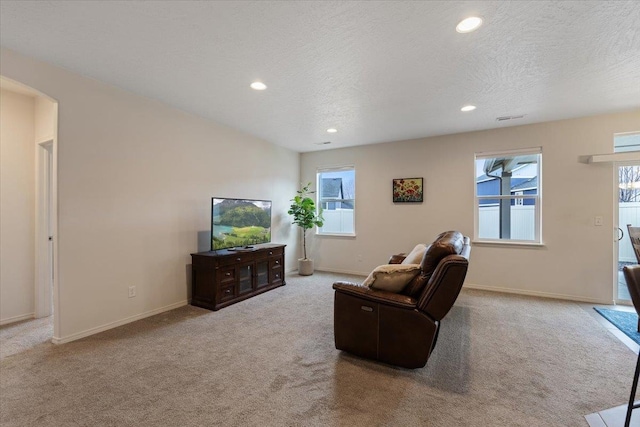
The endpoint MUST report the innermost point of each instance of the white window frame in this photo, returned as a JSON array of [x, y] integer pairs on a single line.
[[536, 197], [519, 200], [319, 171]]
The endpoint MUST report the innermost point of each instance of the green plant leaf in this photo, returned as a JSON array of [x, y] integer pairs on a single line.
[[304, 213]]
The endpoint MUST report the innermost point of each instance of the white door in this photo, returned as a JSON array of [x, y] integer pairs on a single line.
[[44, 234], [626, 210], [627, 206]]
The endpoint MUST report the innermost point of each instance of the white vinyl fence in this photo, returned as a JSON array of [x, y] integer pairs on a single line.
[[522, 224], [523, 220], [337, 221], [628, 213]]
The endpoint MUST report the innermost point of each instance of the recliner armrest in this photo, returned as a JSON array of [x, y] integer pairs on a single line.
[[375, 295]]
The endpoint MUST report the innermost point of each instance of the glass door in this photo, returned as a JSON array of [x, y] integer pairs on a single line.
[[628, 207], [262, 273], [245, 278]]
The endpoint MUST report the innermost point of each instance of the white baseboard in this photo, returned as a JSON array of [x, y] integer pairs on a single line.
[[17, 318], [328, 270], [353, 273], [331, 270], [98, 329], [496, 289], [536, 293]]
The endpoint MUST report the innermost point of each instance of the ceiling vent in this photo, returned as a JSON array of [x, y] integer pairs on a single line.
[[505, 118]]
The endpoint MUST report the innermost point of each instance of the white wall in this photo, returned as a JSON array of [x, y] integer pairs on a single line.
[[44, 116], [17, 206], [577, 258], [135, 178]]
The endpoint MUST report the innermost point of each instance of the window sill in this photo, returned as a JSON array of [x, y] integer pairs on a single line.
[[518, 244], [336, 234]]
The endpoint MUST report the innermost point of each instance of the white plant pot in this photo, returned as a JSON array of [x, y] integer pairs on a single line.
[[305, 267]]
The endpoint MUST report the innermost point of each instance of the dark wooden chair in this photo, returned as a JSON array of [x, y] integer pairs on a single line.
[[634, 235], [632, 277]]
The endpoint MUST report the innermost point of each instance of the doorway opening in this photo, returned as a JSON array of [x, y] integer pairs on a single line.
[[37, 285], [626, 210]]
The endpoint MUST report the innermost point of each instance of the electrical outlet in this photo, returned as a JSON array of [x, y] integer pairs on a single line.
[[132, 291], [598, 221]]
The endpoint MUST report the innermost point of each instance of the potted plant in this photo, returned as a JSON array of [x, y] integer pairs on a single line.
[[305, 216]]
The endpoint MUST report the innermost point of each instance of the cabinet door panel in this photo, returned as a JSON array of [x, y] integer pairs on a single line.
[[262, 273], [245, 278]]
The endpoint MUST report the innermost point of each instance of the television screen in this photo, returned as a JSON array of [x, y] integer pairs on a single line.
[[239, 222]]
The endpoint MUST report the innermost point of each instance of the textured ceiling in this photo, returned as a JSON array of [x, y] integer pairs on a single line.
[[377, 71]]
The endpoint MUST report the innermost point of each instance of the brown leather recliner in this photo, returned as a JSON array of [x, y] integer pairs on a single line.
[[401, 328]]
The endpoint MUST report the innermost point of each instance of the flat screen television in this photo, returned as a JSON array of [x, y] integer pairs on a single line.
[[239, 223]]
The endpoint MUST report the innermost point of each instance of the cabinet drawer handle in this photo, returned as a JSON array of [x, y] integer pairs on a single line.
[[270, 252], [277, 262], [227, 291], [227, 274], [366, 308], [238, 259], [277, 275]]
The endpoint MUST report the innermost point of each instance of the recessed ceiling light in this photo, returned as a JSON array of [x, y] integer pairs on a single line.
[[469, 24], [468, 108], [258, 86], [332, 130]]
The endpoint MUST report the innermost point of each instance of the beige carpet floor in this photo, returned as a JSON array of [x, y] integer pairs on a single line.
[[501, 360], [21, 336]]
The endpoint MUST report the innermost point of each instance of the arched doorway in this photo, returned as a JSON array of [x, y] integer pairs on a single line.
[[31, 287]]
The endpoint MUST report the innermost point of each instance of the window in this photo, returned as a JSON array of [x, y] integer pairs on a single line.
[[625, 142], [337, 197], [508, 194]]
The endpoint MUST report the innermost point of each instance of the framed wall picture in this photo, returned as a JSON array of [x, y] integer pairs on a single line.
[[407, 190]]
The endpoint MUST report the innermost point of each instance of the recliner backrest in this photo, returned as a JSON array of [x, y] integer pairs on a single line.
[[445, 284], [446, 243]]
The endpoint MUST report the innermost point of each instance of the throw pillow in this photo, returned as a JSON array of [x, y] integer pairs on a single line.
[[391, 277], [415, 256]]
